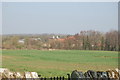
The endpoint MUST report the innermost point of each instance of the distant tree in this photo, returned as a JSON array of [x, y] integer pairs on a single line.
[[111, 40], [102, 43]]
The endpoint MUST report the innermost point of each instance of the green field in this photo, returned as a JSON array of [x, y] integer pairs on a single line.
[[58, 62]]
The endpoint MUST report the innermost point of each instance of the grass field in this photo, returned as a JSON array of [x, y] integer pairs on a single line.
[[58, 62]]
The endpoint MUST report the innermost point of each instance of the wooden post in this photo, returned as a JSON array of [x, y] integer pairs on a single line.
[[60, 78], [68, 76], [44, 78], [63, 78], [41, 78], [57, 77], [54, 78], [51, 78]]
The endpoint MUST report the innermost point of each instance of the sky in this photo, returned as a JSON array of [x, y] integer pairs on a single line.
[[58, 17]]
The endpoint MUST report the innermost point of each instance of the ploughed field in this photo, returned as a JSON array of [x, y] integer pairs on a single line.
[[58, 62]]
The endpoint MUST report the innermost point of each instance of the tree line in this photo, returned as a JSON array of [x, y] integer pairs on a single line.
[[85, 40]]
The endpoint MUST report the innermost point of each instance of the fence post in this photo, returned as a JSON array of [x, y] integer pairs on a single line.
[[44, 78], [54, 78], [57, 77], [50, 78], [60, 78], [63, 78], [41, 78], [68, 76]]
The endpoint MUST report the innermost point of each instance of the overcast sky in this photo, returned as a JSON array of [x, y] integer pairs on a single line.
[[58, 17]]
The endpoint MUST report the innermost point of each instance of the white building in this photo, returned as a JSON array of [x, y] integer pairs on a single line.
[[21, 41]]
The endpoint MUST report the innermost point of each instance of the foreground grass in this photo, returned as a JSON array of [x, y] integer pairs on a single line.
[[58, 62]]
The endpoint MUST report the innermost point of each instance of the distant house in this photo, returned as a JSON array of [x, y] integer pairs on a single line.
[[55, 37], [61, 39], [22, 41], [70, 37], [36, 39]]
